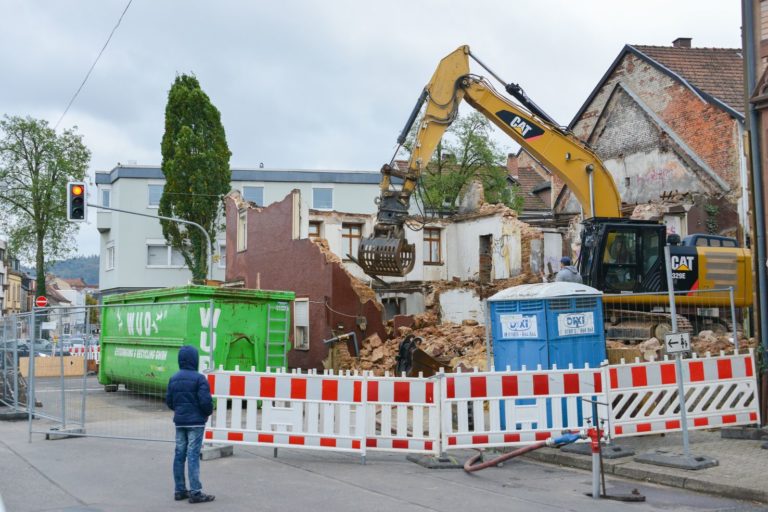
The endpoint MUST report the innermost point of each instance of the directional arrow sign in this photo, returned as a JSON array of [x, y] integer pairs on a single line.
[[677, 342]]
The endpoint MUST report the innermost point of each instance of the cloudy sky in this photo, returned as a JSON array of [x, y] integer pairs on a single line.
[[311, 84]]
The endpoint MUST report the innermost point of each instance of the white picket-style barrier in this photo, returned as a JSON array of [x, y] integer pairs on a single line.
[[361, 412], [523, 406], [719, 391]]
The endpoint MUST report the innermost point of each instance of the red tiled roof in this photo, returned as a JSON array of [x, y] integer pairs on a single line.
[[529, 179], [718, 72]]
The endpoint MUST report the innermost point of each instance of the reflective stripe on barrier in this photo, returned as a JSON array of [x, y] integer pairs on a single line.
[[522, 407], [720, 391], [403, 414], [297, 410]]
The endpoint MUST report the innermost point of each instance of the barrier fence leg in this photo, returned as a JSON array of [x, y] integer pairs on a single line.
[[595, 442]]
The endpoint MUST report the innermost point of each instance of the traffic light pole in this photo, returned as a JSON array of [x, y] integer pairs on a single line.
[[172, 219]]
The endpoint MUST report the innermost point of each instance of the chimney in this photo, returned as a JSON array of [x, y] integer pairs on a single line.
[[512, 165], [682, 42]]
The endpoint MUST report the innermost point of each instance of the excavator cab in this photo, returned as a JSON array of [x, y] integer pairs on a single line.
[[623, 256]]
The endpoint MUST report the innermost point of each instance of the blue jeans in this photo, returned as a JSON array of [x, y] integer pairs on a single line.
[[189, 440]]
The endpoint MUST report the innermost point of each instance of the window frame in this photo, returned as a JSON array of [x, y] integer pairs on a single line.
[[221, 246], [319, 225], [314, 201], [109, 260], [241, 236], [304, 301], [169, 250], [149, 195], [108, 191], [347, 239], [428, 242]]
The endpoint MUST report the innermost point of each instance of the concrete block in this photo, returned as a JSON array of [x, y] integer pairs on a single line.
[[55, 434], [746, 433], [13, 415], [610, 451], [676, 460], [433, 462], [212, 452]]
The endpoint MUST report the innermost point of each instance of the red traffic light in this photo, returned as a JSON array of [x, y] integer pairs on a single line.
[[77, 190]]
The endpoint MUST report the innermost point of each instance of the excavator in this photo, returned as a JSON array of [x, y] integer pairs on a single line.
[[624, 258]]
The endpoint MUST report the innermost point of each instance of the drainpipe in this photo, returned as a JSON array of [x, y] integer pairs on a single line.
[[753, 123]]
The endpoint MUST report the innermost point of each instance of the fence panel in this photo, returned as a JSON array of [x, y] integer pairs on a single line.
[[522, 406], [290, 410], [719, 391], [403, 414]]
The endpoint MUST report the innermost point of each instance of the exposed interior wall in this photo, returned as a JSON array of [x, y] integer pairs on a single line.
[[273, 259], [458, 305]]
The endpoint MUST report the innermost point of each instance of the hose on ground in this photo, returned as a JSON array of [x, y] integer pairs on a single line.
[[470, 466]]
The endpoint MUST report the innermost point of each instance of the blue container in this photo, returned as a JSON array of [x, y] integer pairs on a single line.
[[548, 325]]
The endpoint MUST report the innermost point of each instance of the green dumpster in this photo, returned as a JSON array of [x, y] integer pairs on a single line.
[[141, 332]]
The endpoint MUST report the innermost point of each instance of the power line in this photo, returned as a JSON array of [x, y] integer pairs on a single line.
[[87, 75]]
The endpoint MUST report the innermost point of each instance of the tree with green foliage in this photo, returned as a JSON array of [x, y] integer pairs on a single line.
[[35, 165], [466, 152], [196, 168]]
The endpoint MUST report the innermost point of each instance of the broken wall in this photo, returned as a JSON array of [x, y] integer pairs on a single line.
[[277, 258]]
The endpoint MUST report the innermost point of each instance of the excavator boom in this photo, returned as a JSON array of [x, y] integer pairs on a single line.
[[387, 252]]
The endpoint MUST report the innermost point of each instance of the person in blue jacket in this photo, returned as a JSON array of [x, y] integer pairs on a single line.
[[189, 397]]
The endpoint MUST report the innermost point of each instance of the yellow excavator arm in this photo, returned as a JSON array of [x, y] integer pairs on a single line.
[[387, 251]]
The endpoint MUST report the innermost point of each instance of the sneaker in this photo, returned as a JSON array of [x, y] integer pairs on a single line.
[[201, 497], [180, 495]]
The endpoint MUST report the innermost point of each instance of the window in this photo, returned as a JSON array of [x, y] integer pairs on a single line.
[[222, 255], [155, 193], [314, 229], [432, 254], [109, 264], [242, 230], [350, 239], [620, 266], [322, 198], [254, 194], [301, 324], [105, 197], [160, 254]]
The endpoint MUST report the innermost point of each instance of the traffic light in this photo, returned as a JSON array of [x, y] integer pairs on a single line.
[[76, 201]]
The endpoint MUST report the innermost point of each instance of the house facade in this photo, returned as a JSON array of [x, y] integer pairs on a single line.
[[668, 123], [133, 252]]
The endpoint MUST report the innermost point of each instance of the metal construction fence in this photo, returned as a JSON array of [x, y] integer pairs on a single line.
[[710, 317]]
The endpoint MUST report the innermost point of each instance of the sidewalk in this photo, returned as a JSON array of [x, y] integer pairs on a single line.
[[742, 472]]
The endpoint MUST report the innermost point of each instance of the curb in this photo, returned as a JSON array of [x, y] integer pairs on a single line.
[[690, 483]]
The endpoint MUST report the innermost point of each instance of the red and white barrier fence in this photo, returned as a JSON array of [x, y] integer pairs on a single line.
[[359, 413], [91, 352], [720, 391], [523, 407]]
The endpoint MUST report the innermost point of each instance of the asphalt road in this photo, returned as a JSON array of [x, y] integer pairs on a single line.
[[96, 474]]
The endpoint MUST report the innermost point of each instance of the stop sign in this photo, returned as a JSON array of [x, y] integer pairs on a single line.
[[41, 301]]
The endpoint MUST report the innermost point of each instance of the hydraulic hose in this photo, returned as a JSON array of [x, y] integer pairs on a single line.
[[470, 466]]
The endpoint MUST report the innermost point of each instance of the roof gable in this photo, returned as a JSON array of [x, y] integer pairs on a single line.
[[714, 74]]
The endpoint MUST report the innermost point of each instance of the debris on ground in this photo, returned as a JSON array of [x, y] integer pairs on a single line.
[[653, 349], [453, 345]]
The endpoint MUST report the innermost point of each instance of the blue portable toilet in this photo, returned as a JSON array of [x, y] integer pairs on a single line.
[[547, 324]]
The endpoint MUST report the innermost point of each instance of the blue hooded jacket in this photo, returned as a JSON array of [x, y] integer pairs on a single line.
[[189, 395]]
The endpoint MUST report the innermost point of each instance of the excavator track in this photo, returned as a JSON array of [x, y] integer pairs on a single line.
[[632, 325]]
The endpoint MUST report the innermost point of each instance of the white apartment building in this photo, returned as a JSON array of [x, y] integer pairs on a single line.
[[133, 252]]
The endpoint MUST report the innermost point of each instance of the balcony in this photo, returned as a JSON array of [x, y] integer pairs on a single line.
[[103, 221]]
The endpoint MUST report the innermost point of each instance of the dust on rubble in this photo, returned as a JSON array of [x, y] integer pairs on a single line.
[[450, 344]]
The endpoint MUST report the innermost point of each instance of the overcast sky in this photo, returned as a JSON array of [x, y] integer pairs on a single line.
[[311, 84]]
